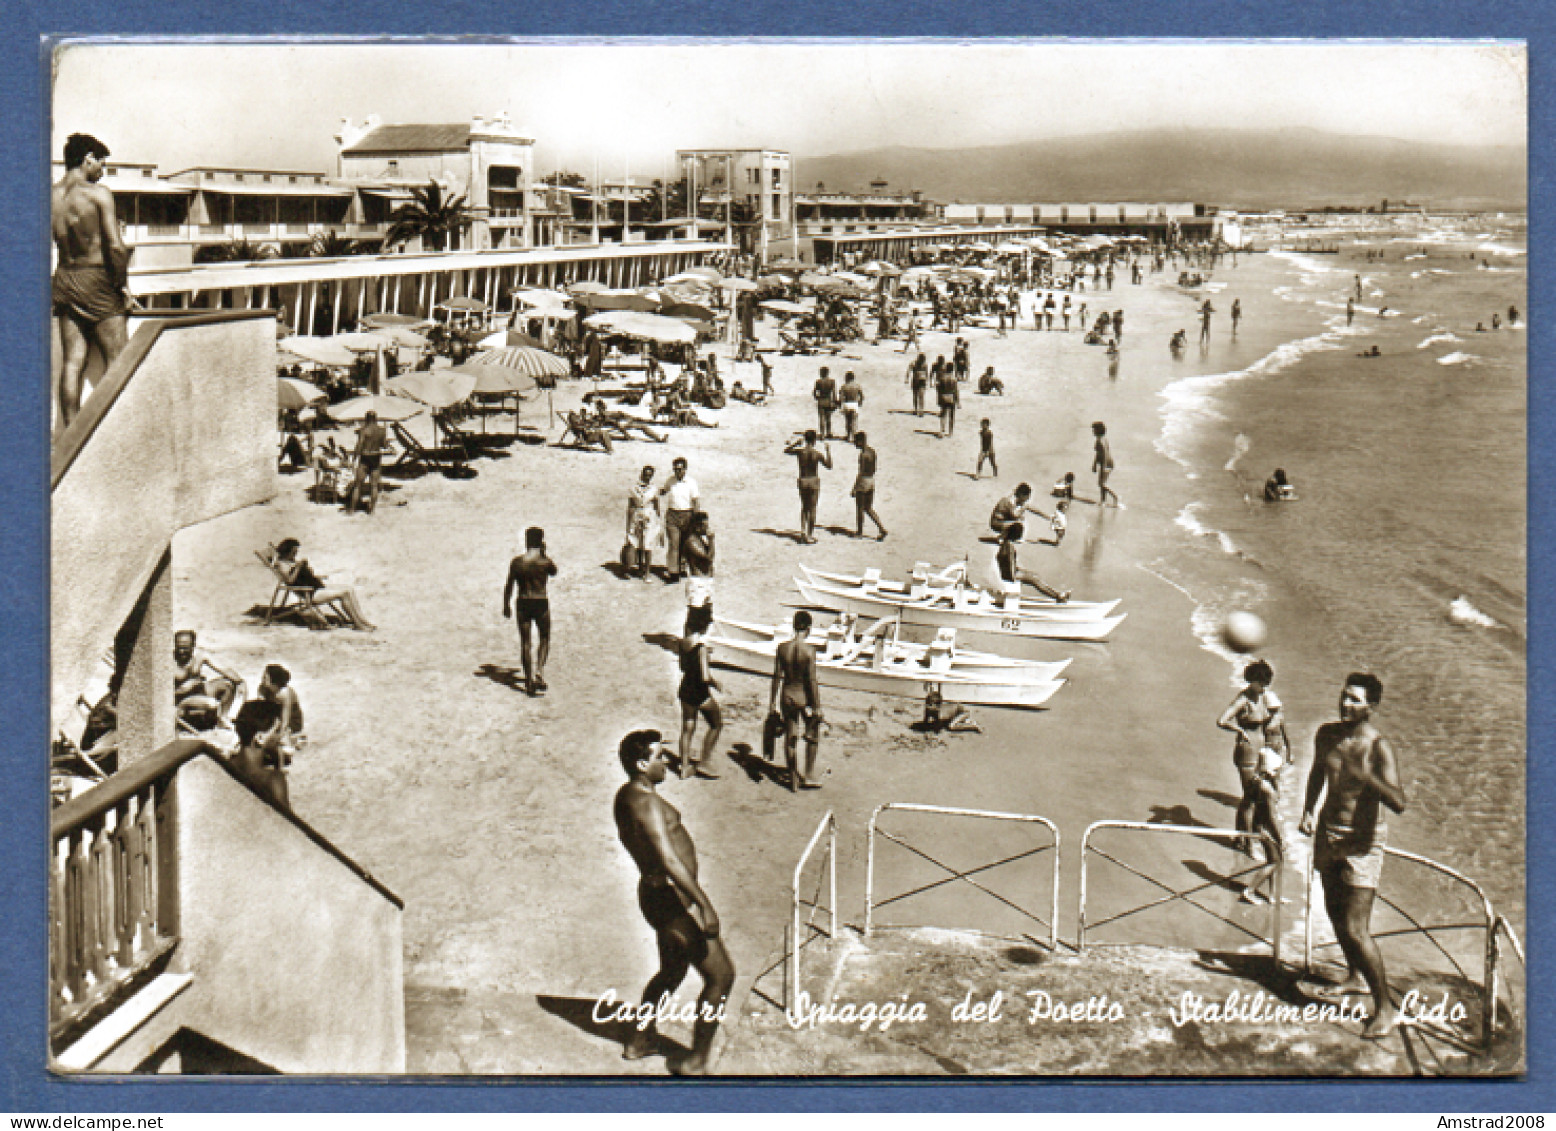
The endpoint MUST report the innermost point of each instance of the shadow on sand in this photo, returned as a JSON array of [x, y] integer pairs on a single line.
[[579, 1013], [511, 678], [756, 767], [792, 535], [666, 640]]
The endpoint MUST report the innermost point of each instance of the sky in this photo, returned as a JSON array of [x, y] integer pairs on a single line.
[[630, 105]]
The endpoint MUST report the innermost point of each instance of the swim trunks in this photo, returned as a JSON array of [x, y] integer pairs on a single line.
[[1355, 858], [663, 907], [694, 690], [536, 610], [794, 712], [86, 293]]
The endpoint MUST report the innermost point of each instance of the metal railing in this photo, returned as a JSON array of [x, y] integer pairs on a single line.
[[798, 941], [1490, 922], [1173, 894], [870, 902]]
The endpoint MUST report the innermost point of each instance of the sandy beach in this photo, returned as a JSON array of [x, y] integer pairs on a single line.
[[489, 811]]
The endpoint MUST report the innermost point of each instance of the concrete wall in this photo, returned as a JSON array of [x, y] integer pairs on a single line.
[[296, 959], [191, 435]]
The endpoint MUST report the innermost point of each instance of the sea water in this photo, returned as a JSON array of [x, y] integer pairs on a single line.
[[1405, 554]]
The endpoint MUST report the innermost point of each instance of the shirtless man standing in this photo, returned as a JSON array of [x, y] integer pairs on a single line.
[[673, 902], [796, 691], [92, 272], [864, 490], [1102, 463], [811, 460], [529, 573], [1354, 770]]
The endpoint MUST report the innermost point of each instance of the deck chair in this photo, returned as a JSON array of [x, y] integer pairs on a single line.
[[450, 459], [288, 599], [585, 432]]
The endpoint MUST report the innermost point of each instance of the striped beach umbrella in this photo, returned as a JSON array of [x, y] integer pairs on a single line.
[[536, 364]]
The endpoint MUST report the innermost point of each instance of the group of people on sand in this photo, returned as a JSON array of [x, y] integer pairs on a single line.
[[208, 697], [811, 460]]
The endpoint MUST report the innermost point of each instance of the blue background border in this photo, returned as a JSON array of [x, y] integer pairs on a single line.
[[24, 139]]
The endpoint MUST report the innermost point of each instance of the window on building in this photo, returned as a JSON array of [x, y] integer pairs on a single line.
[[267, 178], [755, 175], [1093, 211], [292, 180], [237, 176], [777, 177], [777, 205]]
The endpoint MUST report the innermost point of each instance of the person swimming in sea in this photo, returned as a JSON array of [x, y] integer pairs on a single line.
[[1279, 489]]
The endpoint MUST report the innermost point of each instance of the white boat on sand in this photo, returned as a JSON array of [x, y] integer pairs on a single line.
[[877, 661], [952, 603]]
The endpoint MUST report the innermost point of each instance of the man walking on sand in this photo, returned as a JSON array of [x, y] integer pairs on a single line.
[[368, 459], [1354, 770], [811, 460], [528, 574], [92, 270], [685, 924], [825, 393], [1102, 463], [864, 490], [796, 693], [949, 394]]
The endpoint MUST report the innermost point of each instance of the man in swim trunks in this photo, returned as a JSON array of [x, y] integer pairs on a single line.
[[1012, 507], [1354, 770], [852, 397], [685, 924], [949, 395], [372, 441], [825, 393], [202, 702], [796, 690], [864, 489], [811, 461], [1102, 463], [92, 269], [528, 574]]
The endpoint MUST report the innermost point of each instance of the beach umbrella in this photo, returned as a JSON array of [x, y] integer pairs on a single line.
[[691, 278], [503, 338], [385, 319], [712, 274], [784, 306], [387, 408], [587, 287], [850, 277], [687, 310], [402, 337], [772, 281], [786, 265], [495, 380], [737, 284], [534, 363], [815, 279], [647, 327], [1010, 247], [464, 302], [880, 267], [360, 341], [539, 296], [435, 389], [292, 393], [320, 351], [620, 300]]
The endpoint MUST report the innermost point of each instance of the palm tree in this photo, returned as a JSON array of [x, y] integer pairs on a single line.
[[237, 250], [328, 244], [435, 217]]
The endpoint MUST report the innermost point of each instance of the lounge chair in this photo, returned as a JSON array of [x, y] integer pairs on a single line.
[[585, 432], [288, 599], [451, 459]]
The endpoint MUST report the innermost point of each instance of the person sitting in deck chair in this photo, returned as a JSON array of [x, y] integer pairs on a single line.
[[300, 575], [585, 432], [203, 690]]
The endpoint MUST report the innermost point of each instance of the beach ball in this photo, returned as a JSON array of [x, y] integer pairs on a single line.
[[1244, 632]]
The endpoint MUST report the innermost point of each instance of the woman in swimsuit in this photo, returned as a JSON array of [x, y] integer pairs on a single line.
[[696, 696], [1255, 718], [300, 575]]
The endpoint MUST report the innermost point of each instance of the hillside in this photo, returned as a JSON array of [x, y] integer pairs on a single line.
[[1233, 168]]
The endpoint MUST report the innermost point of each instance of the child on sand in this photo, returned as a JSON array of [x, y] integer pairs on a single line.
[[986, 449]]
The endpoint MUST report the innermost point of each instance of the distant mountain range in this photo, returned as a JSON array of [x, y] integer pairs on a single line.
[[1248, 169]]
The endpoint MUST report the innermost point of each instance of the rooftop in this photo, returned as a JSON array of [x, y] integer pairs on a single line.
[[421, 138]]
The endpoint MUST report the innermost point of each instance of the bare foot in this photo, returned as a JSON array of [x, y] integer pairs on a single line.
[[693, 1065], [1383, 1024], [640, 1044]]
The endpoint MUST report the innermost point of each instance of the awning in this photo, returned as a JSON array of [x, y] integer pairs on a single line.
[[146, 185], [388, 193], [227, 188]]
